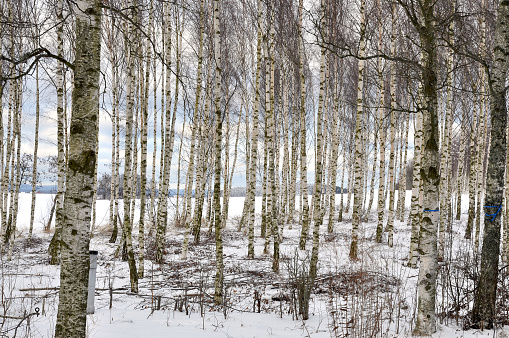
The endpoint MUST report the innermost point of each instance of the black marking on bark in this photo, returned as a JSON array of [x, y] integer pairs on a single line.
[[85, 163], [76, 128]]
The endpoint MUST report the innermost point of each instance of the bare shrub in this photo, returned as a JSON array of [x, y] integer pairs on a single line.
[[299, 281]]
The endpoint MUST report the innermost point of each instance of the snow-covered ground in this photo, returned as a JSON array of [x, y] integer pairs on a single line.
[[372, 297]]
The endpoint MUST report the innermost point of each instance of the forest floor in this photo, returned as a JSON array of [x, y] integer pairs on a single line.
[[372, 297]]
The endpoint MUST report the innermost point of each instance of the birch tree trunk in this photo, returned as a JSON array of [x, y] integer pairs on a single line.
[[114, 163], [75, 261], [195, 126], [303, 157], [426, 283], [16, 181], [357, 198], [445, 172], [473, 172], [317, 207], [415, 208], [333, 165], [127, 181], [36, 147], [381, 141], [54, 248], [144, 137], [392, 154], [162, 207], [254, 138], [218, 282], [480, 159], [484, 312], [402, 171], [461, 164]]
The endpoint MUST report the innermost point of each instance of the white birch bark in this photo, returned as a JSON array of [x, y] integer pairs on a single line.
[[392, 154], [317, 207], [426, 283], [71, 317], [303, 156], [357, 204], [219, 277], [162, 207], [254, 138], [54, 248], [36, 147]]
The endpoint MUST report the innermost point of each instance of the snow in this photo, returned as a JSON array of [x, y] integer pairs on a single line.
[[348, 300]]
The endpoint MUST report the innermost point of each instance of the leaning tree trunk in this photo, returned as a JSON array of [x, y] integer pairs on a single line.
[[484, 311], [75, 261]]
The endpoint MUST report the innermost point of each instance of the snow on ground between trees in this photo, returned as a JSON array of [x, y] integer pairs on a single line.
[[374, 296]]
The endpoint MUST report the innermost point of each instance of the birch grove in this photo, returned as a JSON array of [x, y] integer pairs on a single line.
[[316, 116]]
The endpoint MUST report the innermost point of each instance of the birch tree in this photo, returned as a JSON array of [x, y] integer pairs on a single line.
[[483, 313], [357, 204], [254, 138], [303, 157], [219, 277], [54, 248], [426, 283], [75, 261]]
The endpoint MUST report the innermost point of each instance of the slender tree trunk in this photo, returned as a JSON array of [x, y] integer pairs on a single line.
[[169, 134], [333, 165], [36, 147], [480, 160], [392, 154], [461, 164], [218, 284], [254, 138], [381, 141], [317, 208], [357, 198], [128, 177], [402, 175], [154, 151], [473, 172], [195, 126], [13, 214], [445, 172], [143, 164], [303, 156], [54, 248]]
